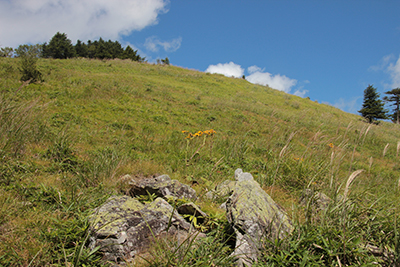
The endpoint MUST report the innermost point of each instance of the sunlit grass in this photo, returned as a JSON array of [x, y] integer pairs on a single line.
[[91, 122]]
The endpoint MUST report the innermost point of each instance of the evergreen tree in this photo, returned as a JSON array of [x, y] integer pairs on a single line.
[[81, 49], [395, 99], [59, 47], [91, 49], [373, 107], [115, 49], [131, 54]]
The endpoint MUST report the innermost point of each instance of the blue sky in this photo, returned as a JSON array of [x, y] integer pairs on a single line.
[[326, 50]]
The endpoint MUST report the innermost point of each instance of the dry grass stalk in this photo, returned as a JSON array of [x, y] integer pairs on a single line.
[[347, 129], [287, 144], [371, 160], [366, 132], [398, 185], [361, 132], [332, 158], [398, 148], [350, 180], [385, 149], [352, 157]]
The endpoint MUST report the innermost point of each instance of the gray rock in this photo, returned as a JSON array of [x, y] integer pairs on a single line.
[[238, 172], [245, 176], [123, 226], [161, 186], [254, 216], [221, 191]]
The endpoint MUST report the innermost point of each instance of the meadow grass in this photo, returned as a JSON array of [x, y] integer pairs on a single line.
[[67, 141]]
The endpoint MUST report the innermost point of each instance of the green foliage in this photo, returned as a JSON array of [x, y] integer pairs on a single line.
[[209, 251], [25, 50], [343, 235], [131, 54], [373, 107], [66, 145], [6, 52], [394, 98], [62, 154], [147, 198], [29, 70], [59, 47], [165, 61], [29, 55]]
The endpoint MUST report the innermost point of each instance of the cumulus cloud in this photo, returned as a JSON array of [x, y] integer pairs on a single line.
[[383, 63], [36, 21], [253, 69], [394, 71], [279, 82], [153, 44], [300, 92], [228, 69], [348, 105]]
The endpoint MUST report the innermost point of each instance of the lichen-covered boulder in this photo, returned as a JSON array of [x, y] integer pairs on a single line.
[[161, 186], [254, 215], [123, 226], [222, 191]]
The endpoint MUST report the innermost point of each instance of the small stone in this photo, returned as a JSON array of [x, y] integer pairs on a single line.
[[238, 172], [122, 237]]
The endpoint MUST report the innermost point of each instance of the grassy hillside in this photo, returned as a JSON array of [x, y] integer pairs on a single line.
[[66, 142]]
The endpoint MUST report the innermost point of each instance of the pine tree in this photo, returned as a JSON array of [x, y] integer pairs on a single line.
[[395, 99], [81, 49], [59, 47], [373, 107]]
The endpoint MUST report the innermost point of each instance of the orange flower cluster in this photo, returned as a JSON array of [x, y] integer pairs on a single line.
[[331, 145], [199, 133]]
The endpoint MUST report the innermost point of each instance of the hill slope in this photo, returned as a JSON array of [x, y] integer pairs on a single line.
[[66, 142]]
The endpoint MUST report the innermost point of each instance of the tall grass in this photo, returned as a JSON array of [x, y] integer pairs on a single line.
[[65, 143]]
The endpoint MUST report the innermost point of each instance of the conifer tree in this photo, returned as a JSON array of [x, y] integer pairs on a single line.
[[59, 47], [81, 49], [395, 99], [373, 107]]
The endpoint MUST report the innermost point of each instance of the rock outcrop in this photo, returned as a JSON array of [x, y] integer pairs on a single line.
[[123, 226], [161, 186], [254, 216]]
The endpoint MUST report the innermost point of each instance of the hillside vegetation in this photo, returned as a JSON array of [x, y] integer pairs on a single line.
[[66, 142]]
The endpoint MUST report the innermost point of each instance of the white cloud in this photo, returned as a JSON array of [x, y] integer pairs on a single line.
[[279, 82], [383, 63], [394, 71], [348, 105], [228, 69], [254, 68], [300, 92], [153, 44], [36, 21]]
